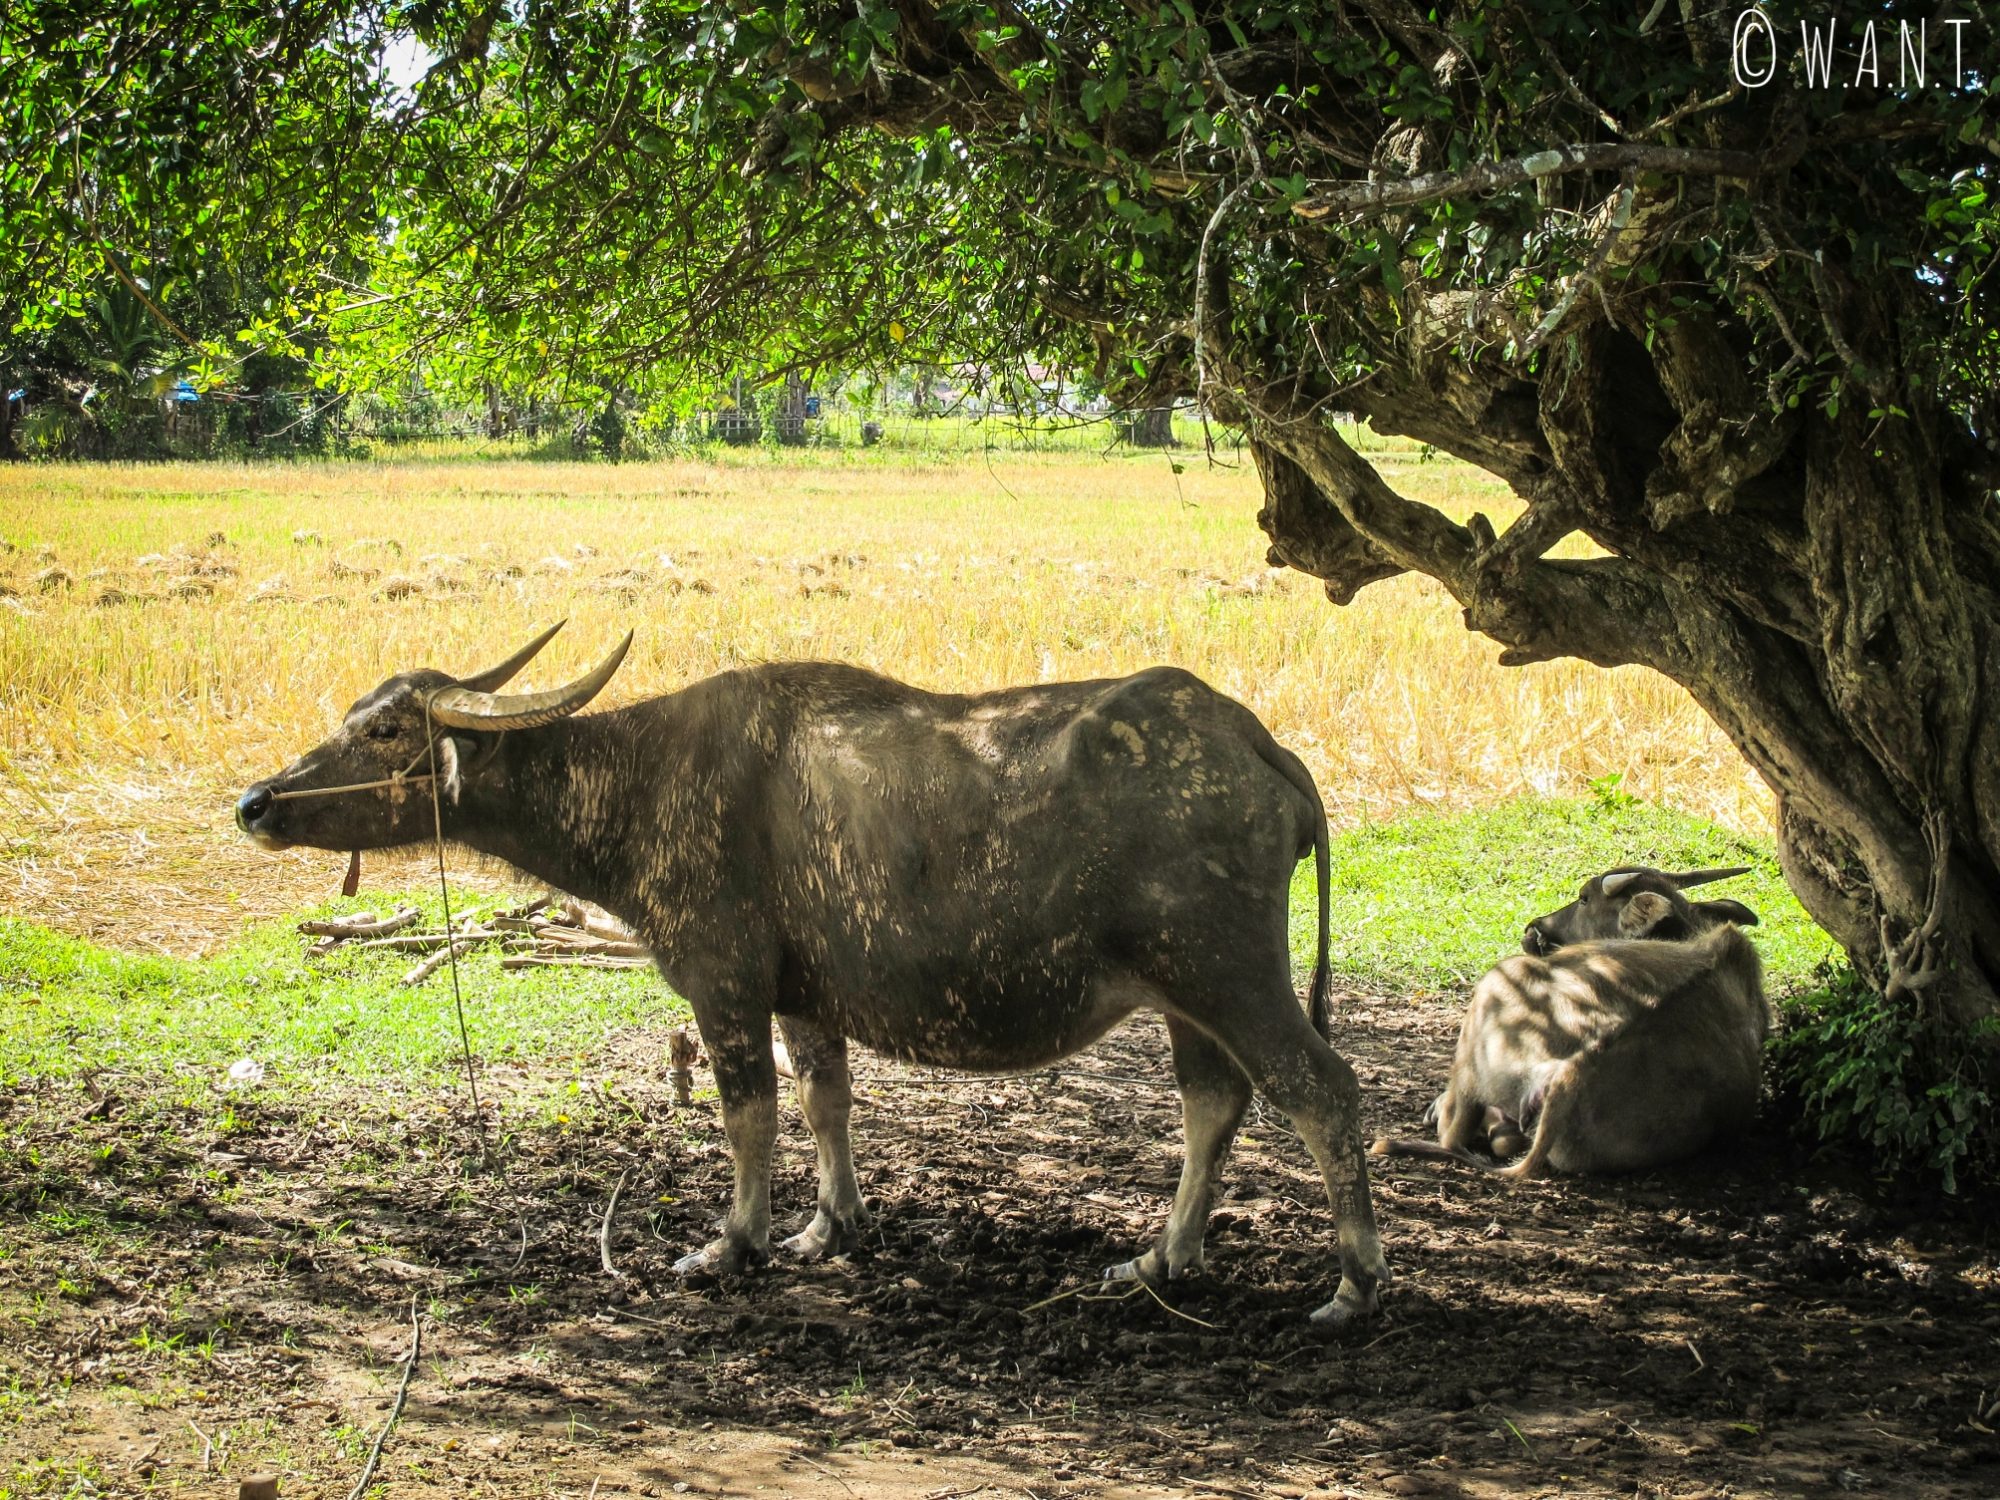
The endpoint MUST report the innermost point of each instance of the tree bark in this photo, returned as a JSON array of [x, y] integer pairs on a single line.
[[1813, 581], [791, 413], [1152, 427]]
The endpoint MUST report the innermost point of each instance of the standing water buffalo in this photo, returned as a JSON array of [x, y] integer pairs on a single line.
[[1629, 1034], [988, 881]]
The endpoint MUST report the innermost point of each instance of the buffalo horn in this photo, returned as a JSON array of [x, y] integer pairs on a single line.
[[1617, 880], [465, 708], [495, 678], [1703, 877]]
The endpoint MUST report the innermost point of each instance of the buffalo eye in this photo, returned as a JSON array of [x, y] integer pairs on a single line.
[[383, 729]]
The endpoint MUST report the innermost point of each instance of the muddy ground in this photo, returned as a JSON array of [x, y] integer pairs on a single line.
[[188, 1302]]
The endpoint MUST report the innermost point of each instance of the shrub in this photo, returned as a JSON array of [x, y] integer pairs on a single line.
[[1902, 1087]]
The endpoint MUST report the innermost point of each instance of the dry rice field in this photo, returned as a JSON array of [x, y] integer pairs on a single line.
[[170, 632]]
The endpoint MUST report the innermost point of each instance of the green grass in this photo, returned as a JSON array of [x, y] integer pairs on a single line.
[[72, 1007], [57, 1479], [1423, 904], [1430, 902]]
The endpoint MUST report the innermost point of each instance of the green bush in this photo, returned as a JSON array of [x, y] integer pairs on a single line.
[[1913, 1092]]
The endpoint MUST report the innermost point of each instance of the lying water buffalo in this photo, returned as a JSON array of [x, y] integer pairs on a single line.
[[1630, 1033], [989, 881]]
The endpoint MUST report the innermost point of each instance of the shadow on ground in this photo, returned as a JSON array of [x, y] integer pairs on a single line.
[[232, 1281]]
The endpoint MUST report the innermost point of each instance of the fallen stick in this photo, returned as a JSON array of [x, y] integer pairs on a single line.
[[337, 927], [560, 932], [623, 950], [396, 1410], [361, 925], [603, 927], [568, 961], [604, 1229], [423, 942], [436, 961], [584, 943]]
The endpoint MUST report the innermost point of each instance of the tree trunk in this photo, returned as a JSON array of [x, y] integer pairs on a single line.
[[10, 447], [1814, 581], [791, 413], [1152, 427]]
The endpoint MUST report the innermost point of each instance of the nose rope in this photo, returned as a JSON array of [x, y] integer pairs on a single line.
[[450, 943], [404, 778], [400, 779]]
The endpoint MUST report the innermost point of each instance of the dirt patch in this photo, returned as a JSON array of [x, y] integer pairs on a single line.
[[179, 1282]]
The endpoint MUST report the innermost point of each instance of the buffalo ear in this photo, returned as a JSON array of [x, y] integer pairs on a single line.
[[1728, 911], [458, 756], [1643, 913]]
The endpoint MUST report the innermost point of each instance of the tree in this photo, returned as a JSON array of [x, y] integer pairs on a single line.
[[1714, 292], [1150, 427]]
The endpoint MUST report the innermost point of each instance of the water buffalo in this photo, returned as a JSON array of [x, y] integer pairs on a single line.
[[987, 881], [1629, 1034]]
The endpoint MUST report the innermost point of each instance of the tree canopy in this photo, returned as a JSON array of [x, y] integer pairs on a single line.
[[1713, 287], [593, 185]]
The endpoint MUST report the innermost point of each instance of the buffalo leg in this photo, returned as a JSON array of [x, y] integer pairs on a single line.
[[1302, 1076], [740, 1051], [1461, 1120], [1556, 1129], [1214, 1094], [819, 1059]]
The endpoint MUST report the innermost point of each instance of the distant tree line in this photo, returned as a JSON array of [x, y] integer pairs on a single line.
[[129, 376]]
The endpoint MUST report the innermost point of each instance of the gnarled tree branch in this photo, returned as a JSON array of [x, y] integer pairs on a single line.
[[1491, 177]]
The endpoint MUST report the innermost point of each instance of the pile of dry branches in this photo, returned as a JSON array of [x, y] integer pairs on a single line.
[[536, 935]]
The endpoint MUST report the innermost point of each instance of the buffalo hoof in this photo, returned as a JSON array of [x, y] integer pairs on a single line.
[[1345, 1311], [1153, 1269], [1356, 1301], [723, 1257], [1133, 1270], [826, 1236]]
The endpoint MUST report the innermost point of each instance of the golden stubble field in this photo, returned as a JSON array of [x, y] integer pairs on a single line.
[[168, 633]]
